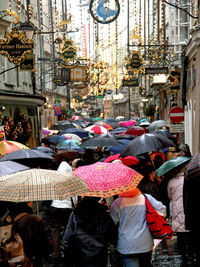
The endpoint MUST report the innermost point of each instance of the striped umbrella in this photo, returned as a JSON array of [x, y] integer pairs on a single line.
[[40, 184], [10, 146], [193, 168]]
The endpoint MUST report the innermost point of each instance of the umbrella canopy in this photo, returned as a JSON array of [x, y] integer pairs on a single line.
[[72, 136], [118, 118], [98, 119], [127, 123], [135, 130], [80, 132], [118, 130], [193, 168], [69, 154], [45, 131], [101, 141], [10, 146], [104, 124], [74, 118], [167, 134], [40, 184], [28, 157], [171, 165], [157, 125], [44, 149], [8, 167], [69, 144], [96, 129], [144, 124], [146, 143], [108, 179], [55, 139], [62, 125]]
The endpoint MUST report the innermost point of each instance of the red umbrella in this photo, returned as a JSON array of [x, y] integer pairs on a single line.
[[135, 130], [128, 161]]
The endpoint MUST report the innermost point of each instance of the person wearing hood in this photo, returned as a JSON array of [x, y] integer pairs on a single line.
[[135, 242], [89, 230]]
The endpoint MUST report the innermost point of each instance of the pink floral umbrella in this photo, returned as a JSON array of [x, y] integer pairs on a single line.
[[108, 179]]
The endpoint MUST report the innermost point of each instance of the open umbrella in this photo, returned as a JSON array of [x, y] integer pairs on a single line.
[[80, 132], [135, 130], [44, 149], [28, 157], [40, 184], [118, 130], [146, 143], [69, 154], [8, 167], [104, 124], [96, 129], [55, 139], [62, 125], [10, 146], [74, 118], [193, 168], [72, 136], [127, 123], [108, 179], [98, 119], [171, 165], [157, 124], [101, 141], [69, 144]]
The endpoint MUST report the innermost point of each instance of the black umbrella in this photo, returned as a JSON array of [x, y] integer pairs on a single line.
[[101, 141], [62, 125], [28, 157], [8, 167], [55, 139], [146, 143], [80, 132], [125, 136], [118, 130], [167, 134], [44, 149]]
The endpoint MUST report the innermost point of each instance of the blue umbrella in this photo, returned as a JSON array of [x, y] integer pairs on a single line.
[[118, 130], [55, 139], [116, 149], [80, 132]]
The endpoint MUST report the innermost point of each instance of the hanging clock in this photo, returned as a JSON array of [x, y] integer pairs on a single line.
[[104, 11]]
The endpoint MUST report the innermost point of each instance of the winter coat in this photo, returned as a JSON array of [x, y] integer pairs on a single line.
[[87, 235], [175, 194]]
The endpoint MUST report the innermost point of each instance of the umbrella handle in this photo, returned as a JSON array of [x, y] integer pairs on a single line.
[[157, 177]]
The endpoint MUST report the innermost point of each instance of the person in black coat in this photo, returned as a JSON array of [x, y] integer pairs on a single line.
[[89, 230]]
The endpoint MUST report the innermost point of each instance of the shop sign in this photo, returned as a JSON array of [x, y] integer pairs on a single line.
[[16, 46], [131, 82], [135, 61], [78, 74], [65, 75], [163, 70], [177, 128], [57, 109], [28, 64]]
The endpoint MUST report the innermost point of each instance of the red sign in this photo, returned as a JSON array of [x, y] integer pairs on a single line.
[[176, 114]]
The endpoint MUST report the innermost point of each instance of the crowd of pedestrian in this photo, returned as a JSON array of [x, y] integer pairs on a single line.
[[90, 231]]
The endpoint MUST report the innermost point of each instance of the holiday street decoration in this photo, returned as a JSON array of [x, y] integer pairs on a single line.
[[104, 11], [16, 46], [68, 50]]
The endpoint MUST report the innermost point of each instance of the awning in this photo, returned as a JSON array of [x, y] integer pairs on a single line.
[[21, 98]]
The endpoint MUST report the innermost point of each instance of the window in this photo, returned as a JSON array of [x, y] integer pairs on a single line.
[[183, 33]]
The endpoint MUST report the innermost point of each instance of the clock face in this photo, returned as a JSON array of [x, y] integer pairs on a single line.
[[104, 11]]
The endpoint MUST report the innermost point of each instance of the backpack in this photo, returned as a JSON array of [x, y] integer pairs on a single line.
[[158, 227]]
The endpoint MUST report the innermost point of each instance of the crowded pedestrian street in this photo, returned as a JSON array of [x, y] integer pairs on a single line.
[[99, 133]]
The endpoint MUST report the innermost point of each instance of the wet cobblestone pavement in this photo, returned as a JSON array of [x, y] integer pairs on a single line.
[[166, 254]]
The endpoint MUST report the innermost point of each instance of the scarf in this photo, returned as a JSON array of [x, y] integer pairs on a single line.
[[131, 193]]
